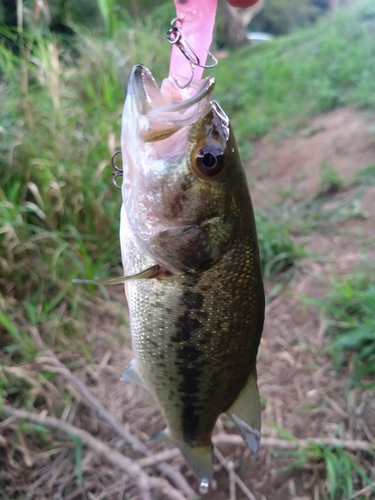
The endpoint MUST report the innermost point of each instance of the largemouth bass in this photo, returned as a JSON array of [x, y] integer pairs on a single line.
[[187, 219], [191, 261]]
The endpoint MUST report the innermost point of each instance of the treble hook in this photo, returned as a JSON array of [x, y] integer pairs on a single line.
[[118, 172], [174, 36]]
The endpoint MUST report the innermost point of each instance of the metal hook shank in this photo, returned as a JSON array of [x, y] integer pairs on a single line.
[[174, 36]]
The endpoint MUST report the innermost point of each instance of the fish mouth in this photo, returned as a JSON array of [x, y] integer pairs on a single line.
[[163, 111], [150, 97]]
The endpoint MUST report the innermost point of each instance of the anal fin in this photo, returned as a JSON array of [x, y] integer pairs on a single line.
[[131, 374], [245, 413]]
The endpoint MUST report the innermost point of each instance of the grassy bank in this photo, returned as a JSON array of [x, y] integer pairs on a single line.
[[60, 104], [285, 81]]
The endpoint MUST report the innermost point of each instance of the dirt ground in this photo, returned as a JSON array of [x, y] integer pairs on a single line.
[[343, 138], [301, 391]]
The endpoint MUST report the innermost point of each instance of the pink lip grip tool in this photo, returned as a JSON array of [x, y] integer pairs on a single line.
[[194, 25]]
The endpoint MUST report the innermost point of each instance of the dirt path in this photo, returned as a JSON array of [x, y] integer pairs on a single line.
[[343, 139]]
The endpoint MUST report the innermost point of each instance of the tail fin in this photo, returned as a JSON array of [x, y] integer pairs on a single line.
[[201, 461], [199, 458]]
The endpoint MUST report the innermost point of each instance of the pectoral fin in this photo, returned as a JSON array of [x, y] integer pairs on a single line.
[[131, 374], [152, 272], [210, 240], [245, 413]]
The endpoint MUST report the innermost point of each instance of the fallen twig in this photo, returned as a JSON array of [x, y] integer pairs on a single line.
[[233, 476], [104, 414], [361, 492], [296, 444], [171, 473], [232, 480], [272, 443], [144, 482], [162, 456]]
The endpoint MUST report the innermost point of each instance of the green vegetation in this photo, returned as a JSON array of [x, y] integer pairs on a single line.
[[349, 311], [331, 182], [61, 102], [302, 217], [60, 123], [345, 470], [366, 175], [345, 473], [289, 79], [295, 217], [277, 250], [99, 14]]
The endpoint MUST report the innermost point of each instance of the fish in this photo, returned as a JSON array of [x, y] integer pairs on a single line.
[[192, 268]]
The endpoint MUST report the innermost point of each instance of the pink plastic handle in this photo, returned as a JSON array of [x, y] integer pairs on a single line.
[[197, 19]]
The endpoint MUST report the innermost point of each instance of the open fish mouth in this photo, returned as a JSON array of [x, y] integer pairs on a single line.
[[162, 111]]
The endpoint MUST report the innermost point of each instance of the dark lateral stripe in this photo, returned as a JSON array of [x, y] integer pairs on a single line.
[[187, 323], [188, 390], [189, 360], [190, 396], [194, 300]]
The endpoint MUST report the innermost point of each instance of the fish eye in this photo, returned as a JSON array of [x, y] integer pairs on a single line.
[[210, 160]]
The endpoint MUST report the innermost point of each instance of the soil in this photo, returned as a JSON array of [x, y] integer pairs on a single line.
[[344, 139], [301, 390]]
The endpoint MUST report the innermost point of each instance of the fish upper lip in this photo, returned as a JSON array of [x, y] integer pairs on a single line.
[[148, 95]]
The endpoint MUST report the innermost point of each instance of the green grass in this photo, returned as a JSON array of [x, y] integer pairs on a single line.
[[349, 311], [278, 252], [60, 122], [365, 175], [319, 213], [345, 474], [331, 181], [294, 77], [278, 226]]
